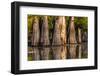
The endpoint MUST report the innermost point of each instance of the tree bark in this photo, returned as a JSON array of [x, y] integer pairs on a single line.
[[45, 32], [79, 35], [62, 25], [72, 36], [35, 31], [59, 36]]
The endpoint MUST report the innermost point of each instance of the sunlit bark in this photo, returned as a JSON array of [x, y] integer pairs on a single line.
[[59, 36], [62, 25]]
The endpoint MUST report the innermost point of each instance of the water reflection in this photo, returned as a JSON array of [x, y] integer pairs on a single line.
[[70, 51]]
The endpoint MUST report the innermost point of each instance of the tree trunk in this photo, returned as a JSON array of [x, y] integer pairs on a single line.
[[62, 25], [72, 35], [44, 32], [59, 36], [79, 35], [35, 31]]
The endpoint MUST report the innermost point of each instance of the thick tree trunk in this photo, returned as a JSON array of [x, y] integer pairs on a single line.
[[62, 25], [72, 36], [44, 32], [35, 31], [59, 36]]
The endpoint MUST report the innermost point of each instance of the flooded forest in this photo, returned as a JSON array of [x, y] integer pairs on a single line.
[[57, 37]]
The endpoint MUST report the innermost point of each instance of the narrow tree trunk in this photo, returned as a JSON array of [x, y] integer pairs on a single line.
[[79, 35], [45, 32], [35, 31], [72, 35]]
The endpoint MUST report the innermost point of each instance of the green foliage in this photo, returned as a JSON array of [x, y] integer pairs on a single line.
[[81, 22], [30, 18], [50, 21]]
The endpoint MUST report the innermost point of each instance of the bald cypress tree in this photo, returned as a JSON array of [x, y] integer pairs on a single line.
[[72, 35], [35, 31], [59, 35], [44, 32]]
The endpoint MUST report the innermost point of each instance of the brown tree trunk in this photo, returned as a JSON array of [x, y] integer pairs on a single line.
[[62, 25], [59, 36], [72, 36], [35, 31], [45, 32]]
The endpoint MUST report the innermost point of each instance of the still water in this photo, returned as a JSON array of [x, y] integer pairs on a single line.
[[69, 51]]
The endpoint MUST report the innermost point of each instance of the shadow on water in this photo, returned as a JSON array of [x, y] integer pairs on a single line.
[[69, 51]]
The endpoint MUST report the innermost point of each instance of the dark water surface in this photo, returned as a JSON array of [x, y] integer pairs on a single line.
[[69, 51]]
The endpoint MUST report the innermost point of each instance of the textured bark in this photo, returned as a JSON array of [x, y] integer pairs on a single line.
[[72, 35], [62, 25], [35, 31], [59, 36], [45, 32]]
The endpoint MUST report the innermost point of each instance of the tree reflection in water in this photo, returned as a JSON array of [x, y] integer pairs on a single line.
[[70, 51]]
